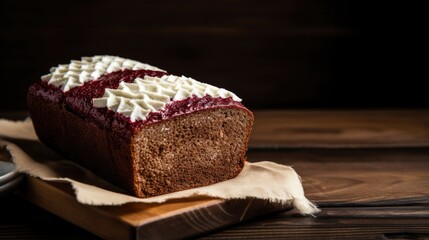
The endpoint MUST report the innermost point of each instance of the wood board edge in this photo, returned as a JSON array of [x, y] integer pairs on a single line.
[[202, 217]]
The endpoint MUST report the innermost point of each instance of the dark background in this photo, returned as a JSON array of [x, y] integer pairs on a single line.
[[273, 54]]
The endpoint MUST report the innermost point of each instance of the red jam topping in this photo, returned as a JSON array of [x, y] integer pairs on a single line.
[[79, 101]]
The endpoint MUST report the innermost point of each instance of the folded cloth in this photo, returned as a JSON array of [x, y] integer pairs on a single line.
[[275, 182]]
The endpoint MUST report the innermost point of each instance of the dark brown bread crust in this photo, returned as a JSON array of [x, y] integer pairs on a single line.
[[183, 152], [80, 140]]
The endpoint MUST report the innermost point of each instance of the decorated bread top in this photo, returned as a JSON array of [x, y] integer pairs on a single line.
[[78, 72], [137, 91]]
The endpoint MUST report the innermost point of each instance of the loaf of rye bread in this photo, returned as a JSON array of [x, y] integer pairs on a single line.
[[140, 128]]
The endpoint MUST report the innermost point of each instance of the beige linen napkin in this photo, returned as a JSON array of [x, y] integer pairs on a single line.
[[263, 180]]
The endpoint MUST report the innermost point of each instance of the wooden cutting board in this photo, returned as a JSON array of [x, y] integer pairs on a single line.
[[169, 220]]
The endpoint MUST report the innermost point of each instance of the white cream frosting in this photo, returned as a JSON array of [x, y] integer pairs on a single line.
[[150, 94], [77, 72]]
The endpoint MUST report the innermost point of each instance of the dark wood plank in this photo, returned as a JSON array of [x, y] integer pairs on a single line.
[[337, 223], [340, 129], [363, 194], [358, 177]]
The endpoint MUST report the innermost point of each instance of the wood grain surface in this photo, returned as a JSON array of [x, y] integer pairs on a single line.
[[183, 217], [341, 129], [358, 177], [363, 193], [404, 222], [366, 191]]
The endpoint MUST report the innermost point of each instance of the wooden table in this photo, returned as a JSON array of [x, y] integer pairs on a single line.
[[368, 170]]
